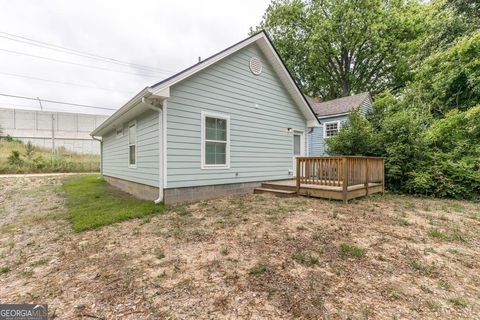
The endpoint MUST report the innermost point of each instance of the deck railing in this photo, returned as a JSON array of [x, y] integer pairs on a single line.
[[340, 171]]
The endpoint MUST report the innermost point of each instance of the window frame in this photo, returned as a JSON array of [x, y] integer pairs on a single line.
[[339, 125], [130, 124], [208, 114]]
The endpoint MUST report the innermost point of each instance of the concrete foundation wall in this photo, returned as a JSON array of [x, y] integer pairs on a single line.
[[191, 194], [179, 195], [140, 191]]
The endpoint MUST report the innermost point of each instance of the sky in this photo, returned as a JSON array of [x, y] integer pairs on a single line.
[[146, 40]]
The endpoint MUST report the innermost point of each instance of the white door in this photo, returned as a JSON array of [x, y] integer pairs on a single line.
[[298, 148]]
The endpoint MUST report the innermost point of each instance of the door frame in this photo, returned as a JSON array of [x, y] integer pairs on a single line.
[[300, 133]]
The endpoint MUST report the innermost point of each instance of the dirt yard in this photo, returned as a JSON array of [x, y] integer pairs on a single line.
[[252, 257]]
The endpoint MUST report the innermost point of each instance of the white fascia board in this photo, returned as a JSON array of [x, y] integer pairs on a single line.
[[145, 93]]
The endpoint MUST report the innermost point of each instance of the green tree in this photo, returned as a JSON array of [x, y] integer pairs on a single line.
[[450, 78], [354, 139], [340, 47]]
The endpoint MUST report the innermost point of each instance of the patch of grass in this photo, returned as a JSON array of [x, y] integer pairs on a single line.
[[224, 250], [404, 222], [92, 203], [301, 228], [289, 237], [432, 305], [423, 268], [457, 207], [437, 233], [351, 250], [302, 258], [458, 302], [444, 284], [160, 254], [258, 269], [5, 269], [426, 289], [457, 234], [40, 262]]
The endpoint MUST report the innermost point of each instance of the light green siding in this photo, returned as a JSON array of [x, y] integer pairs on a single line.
[[115, 152], [260, 111]]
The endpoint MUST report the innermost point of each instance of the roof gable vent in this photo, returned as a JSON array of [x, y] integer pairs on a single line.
[[255, 66]]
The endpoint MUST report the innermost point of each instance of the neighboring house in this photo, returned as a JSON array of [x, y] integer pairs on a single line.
[[332, 114], [220, 127], [52, 129]]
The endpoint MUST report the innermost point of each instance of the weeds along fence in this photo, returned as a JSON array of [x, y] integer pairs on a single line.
[[17, 157]]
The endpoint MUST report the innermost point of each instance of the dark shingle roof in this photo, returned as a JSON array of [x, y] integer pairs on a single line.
[[338, 106]]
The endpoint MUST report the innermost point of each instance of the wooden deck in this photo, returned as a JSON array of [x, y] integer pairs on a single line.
[[339, 178]]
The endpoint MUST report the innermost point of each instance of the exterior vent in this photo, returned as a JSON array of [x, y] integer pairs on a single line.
[[255, 66]]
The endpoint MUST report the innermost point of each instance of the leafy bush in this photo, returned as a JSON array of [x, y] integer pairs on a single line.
[[355, 138], [14, 159], [430, 134]]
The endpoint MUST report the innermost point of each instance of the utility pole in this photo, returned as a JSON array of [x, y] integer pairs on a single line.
[[53, 126], [53, 133]]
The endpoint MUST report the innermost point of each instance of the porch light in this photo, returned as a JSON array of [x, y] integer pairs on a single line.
[[289, 130]]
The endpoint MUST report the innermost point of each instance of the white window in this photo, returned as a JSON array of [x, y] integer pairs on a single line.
[[132, 144], [330, 129], [215, 141]]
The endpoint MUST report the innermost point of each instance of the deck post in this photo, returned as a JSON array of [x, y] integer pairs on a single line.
[[298, 175], [345, 180], [383, 176], [366, 176]]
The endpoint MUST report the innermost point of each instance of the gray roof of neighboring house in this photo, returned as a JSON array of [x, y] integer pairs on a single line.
[[338, 106]]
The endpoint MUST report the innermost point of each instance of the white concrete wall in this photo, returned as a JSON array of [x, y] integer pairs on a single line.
[[71, 130]]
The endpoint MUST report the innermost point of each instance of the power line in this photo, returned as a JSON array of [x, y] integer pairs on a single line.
[[80, 53], [55, 101], [77, 64], [62, 82]]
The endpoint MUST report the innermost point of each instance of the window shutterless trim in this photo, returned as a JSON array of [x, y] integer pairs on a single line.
[[208, 114], [338, 122], [130, 124]]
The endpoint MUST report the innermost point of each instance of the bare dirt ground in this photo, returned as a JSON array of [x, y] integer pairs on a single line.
[[251, 257]]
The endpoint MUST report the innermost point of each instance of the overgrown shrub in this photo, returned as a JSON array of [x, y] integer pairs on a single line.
[[14, 158], [17, 157]]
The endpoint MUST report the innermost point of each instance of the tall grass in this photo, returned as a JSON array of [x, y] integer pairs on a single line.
[[18, 157]]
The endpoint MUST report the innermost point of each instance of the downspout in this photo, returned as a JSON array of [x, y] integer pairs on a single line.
[[160, 147], [101, 154]]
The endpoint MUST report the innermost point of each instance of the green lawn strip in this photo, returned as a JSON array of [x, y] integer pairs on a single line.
[[92, 203]]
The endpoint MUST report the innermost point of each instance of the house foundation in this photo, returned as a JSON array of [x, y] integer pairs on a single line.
[[138, 190], [192, 194], [182, 195]]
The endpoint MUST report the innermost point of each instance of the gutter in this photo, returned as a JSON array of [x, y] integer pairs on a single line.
[[160, 147], [101, 153]]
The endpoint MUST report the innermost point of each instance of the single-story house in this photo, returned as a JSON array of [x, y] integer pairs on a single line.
[[332, 115], [220, 127]]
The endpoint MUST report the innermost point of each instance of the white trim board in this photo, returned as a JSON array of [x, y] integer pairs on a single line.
[[339, 126], [204, 166], [130, 124]]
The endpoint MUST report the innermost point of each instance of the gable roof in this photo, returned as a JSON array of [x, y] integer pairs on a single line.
[[162, 88], [338, 106]]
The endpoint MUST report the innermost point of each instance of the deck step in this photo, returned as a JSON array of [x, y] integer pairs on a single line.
[[275, 186], [276, 192]]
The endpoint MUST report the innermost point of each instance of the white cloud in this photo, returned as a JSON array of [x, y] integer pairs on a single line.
[[165, 35]]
